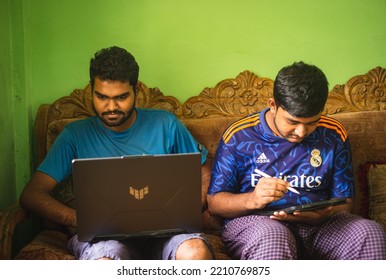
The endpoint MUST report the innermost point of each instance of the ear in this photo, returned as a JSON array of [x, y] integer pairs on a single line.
[[272, 105], [138, 87]]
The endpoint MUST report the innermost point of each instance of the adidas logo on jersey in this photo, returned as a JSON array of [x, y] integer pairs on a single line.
[[262, 159]]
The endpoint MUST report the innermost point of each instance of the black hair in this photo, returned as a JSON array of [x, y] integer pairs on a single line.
[[115, 64], [301, 90]]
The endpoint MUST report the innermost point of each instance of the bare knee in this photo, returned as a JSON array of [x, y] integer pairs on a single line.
[[193, 249]]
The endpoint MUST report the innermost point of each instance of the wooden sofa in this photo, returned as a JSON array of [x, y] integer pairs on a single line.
[[360, 104]]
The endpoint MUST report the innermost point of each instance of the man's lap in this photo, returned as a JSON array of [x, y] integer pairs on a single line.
[[139, 248], [332, 235]]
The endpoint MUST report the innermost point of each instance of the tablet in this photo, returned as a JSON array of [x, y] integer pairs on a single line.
[[307, 207]]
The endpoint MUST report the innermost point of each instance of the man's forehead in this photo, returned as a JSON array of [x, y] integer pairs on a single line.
[[113, 90], [290, 117]]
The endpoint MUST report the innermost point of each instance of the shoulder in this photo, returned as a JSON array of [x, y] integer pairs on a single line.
[[241, 124], [333, 125], [156, 114], [82, 123], [151, 111]]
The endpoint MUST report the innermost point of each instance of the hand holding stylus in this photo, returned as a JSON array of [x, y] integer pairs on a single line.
[[265, 175]]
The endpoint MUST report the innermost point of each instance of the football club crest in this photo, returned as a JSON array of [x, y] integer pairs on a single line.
[[316, 159]]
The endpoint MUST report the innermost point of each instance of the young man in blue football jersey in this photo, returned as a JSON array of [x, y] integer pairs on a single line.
[[118, 129], [290, 154]]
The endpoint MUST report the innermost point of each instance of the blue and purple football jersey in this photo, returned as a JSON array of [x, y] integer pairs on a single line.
[[319, 167]]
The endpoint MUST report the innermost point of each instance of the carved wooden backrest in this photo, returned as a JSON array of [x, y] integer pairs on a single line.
[[249, 93], [360, 93], [236, 97]]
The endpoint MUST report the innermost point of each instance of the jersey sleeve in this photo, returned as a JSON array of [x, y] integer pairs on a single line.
[[343, 177], [224, 172]]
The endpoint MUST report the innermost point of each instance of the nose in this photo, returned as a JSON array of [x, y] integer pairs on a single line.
[[112, 104], [301, 130]]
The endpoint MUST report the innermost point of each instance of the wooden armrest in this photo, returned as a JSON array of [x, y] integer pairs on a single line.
[[9, 218]]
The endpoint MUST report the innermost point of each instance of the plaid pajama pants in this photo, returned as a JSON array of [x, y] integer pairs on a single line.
[[343, 237]]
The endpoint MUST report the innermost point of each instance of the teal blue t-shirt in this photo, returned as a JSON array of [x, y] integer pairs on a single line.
[[154, 132]]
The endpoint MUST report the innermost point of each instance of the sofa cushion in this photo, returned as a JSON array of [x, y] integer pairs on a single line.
[[208, 131], [367, 133], [373, 179], [377, 193], [47, 245], [217, 246]]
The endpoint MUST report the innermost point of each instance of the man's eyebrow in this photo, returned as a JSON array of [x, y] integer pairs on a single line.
[[296, 121], [122, 94]]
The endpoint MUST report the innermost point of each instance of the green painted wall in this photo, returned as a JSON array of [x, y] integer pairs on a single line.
[[183, 46], [7, 155], [15, 115]]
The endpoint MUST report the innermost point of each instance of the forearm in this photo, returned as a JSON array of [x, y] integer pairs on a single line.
[[229, 205], [36, 197], [48, 208]]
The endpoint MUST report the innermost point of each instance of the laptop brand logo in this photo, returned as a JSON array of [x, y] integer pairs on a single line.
[[139, 194]]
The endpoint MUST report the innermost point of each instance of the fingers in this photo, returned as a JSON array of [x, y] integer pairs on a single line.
[[272, 186], [268, 190], [309, 217], [283, 216]]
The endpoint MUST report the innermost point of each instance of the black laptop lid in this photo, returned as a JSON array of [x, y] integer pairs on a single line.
[[137, 196]]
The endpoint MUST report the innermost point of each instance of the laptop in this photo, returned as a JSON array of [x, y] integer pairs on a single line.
[[137, 196]]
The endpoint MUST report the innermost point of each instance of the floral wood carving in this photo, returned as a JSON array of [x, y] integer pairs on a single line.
[[237, 97], [77, 105], [361, 93], [154, 98], [245, 94]]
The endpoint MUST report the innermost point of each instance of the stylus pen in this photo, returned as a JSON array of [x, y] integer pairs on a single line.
[[267, 176]]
